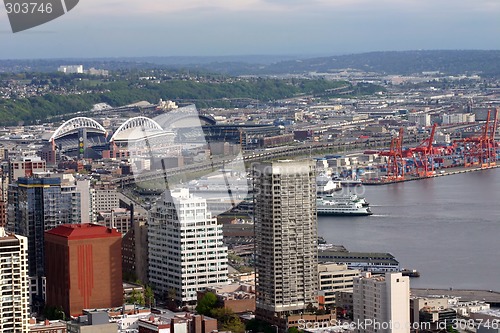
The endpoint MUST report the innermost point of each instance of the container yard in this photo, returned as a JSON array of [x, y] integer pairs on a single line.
[[474, 152]]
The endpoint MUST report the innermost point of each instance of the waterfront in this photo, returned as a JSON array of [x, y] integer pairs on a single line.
[[448, 228]]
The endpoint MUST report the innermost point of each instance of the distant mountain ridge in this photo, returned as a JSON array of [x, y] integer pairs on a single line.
[[403, 62], [486, 62]]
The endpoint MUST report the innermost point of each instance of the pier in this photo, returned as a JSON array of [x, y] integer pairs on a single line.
[[441, 173], [466, 295]]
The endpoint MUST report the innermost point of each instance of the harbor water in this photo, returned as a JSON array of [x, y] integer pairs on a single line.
[[447, 228]]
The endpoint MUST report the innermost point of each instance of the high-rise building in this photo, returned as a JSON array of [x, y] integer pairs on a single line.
[[83, 267], [382, 303], [186, 252], [26, 167], [135, 252], [334, 278], [104, 198], [83, 187], [35, 206], [285, 239], [4, 185], [420, 119], [70, 69], [14, 299], [120, 219]]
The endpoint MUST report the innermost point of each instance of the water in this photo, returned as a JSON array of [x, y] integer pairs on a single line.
[[448, 228]]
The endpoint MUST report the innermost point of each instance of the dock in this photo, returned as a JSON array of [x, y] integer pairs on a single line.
[[489, 296], [447, 172]]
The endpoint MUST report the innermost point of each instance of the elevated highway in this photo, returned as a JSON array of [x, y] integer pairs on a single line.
[[259, 156]]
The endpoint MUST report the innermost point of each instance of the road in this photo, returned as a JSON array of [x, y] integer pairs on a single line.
[[259, 156]]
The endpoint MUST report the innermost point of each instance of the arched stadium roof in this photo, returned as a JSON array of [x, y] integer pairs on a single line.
[[137, 122], [75, 124]]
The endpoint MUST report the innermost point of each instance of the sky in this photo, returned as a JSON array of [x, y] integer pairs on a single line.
[[127, 28]]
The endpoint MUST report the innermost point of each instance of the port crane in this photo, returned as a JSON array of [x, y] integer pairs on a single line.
[[395, 162], [481, 150], [423, 155]]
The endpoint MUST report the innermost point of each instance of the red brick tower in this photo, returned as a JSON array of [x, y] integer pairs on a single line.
[[83, 266]]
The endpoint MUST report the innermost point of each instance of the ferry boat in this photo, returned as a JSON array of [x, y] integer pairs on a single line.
[[345, 198], [350, 182], [410, 272], [346, 206]]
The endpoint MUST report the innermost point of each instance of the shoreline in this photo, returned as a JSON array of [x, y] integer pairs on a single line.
[[454, 171]]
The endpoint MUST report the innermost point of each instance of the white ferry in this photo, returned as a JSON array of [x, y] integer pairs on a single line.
[[343, 206], [345, 198]]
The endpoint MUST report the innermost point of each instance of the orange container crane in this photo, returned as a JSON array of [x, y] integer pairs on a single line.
[[395, 163], [423, 155], [492, 145], [481, 150]]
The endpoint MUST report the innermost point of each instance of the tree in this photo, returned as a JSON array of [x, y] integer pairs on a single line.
[[222, 314], [256, 325], [149, 295], [136, 298], [320, 312], [227, 320], [206, 304], [54, 313], [310, 308], [172, 303], [234, 325], [293, 329]]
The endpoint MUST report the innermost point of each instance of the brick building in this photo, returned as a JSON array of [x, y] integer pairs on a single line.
[[83, 267], [47, 326], [238, 297], [177, 323]]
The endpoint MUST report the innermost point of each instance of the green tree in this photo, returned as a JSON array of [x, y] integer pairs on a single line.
[[172, 303], [222, 314], [206, 304], [54, 313], [136, 297], [310, 308], [149, 295], [256, 325], [234, 325], [227, 320], [293, 330]]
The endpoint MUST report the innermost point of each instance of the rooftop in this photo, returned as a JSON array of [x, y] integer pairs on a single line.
[[488, 296], [83, 231], [6, 235]]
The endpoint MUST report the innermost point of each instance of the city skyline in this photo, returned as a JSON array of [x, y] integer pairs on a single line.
[[250, 27]]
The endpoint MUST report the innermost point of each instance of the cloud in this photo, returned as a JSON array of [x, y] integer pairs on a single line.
[[195, 27], [141, 8], [154, 7]]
